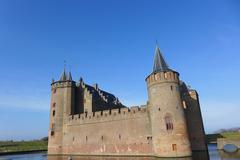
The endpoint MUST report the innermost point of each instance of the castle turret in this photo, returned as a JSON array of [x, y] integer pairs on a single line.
[[169, 129], [62, 105]]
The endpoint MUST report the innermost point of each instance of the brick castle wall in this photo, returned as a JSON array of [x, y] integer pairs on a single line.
[[119, 131]]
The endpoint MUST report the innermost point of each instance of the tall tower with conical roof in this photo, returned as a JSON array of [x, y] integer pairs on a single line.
[[169, 129]]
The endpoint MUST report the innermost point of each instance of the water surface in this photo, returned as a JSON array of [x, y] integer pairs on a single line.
[[214, 154]]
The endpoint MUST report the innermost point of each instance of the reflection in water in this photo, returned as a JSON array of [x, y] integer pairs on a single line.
[[232, 156], [113, 158], [214, 154], [196, 156]]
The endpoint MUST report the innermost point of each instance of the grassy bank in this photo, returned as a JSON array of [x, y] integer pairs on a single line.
[[22, 146], [212, 138]]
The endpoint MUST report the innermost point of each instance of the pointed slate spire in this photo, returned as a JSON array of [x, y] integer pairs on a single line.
[[69, 76], [159, 62], [63, 76]]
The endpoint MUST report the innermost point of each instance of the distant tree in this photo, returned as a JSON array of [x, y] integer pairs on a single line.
[[44, 139]]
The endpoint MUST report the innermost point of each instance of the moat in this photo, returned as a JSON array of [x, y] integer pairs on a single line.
[[214, 154]]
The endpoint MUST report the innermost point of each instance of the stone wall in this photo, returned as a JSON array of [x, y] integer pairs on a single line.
[[194, 121], [119, 131]]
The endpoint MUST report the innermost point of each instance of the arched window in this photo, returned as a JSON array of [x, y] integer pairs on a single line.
[[168, 122]]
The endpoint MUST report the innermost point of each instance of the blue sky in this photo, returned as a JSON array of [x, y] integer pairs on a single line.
[[112, 43]]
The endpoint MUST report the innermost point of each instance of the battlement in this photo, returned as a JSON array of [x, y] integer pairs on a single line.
[[61, 84], [108, 115], [167, 76]]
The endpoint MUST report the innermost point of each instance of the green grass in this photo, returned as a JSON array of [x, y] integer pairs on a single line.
[[19, 146], [231, 135], [212, 138]]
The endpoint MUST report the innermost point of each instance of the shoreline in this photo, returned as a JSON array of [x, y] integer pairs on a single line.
[[22, 152]]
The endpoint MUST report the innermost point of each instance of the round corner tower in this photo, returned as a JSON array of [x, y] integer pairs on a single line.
[[169, 129], [62, 94]]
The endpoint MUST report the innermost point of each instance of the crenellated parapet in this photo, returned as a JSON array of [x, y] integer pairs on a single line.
[[108, 115], [62, 84], [167, 76]]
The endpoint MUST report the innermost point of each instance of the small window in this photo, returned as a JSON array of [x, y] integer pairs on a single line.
[[171, 88], [149, 139], [54, 90], [168, 122], [102, 138], [53, 113], [159, 109], [86, 138], [52, 133], [54, 105], [119, 136], [174, 147], [73, 139]]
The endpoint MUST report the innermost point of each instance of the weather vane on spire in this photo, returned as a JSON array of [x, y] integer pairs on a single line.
[[64, 64], [157, 43]]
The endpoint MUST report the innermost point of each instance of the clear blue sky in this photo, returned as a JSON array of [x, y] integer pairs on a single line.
[[112, 43]]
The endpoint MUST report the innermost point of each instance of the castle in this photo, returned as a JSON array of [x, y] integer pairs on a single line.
[[85, 120]]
